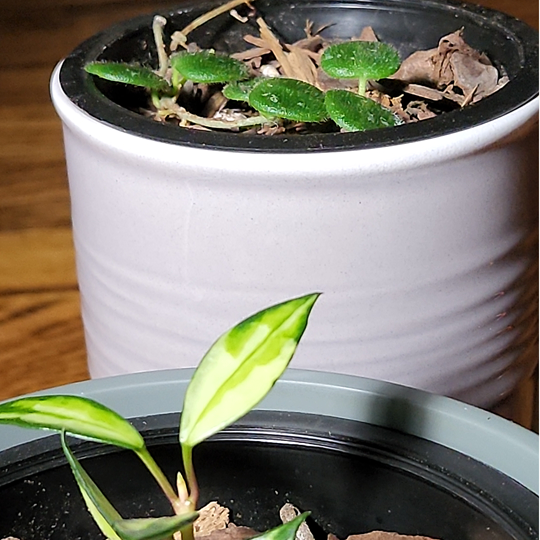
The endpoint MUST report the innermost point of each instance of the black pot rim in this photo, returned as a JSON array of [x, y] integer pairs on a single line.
[[522, 88], [505, 503]]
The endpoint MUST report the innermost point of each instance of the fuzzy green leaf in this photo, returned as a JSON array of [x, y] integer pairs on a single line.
[[239, 90], [128, 74], [288, 98], [287, 531], [241, 368], [161, 528], [353, 112], [360, 59], [209, 67], [78, 416]]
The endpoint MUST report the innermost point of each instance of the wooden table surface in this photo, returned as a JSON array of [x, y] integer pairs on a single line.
[[41, 336]]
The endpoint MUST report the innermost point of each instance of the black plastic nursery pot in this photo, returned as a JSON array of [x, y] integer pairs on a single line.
[[356, 472], [409, 25]]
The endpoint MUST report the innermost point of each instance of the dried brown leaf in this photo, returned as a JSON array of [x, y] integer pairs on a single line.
[[368, 34], [419, 67], [473, 76], [275, 46], [232, 532], [250, 54], [302, 65]]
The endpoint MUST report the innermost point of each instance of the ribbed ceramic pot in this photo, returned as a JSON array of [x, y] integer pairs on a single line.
[[421, 237], [361, 455]]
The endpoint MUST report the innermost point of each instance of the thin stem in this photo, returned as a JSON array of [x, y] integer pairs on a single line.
[[187, 458], [182, 114], [211, 14], [156, 99], [188, 533], [362, 83], [157, 28], [177, 80], [160, 478]]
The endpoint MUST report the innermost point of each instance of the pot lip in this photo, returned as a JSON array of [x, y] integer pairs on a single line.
[[523, 88], [490, 439]]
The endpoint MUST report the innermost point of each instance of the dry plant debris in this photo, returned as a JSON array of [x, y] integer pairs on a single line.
[[313, 84], [428, 82], [214, 524]]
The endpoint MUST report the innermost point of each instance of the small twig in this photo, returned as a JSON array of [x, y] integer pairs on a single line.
[[238, 17], [182, 114], [469, 97], [181, 36], [157, 28], [273, 43]]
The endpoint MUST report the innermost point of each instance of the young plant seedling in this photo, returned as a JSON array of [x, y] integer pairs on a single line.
[[129, 74], [274, 98], [362, 60], [288, 98], [353, 112], [236, 373], [208, 67]]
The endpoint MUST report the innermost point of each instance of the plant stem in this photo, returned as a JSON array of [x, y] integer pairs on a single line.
[[156, 99], [157, 28], [187, 458], [362, 83], [161, 479], [211, 14], [182, 114], [188, 533]]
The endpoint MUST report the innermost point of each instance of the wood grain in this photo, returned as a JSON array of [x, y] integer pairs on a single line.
[[41, 336]]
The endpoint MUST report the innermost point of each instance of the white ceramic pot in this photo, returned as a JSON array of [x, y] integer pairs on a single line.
[[422, 238]]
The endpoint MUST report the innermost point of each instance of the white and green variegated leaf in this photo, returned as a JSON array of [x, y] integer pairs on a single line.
[[79, 416], [287, 531], [241, 368], [100, 508], [110, 522], [161, 528]]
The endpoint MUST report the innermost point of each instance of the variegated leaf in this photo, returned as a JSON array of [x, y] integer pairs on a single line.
[[110, 521], [79, 416], [287, 531], [241, 368]]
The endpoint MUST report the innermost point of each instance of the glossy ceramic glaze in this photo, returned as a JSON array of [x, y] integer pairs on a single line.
[[424, 250]]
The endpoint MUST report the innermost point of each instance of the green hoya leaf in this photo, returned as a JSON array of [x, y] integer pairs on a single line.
[[353, 112], [161, 528], [241, 368], [287, 531], [77, 415], [360, 60], [128, 74], [288, 98], [209, 67], [100, 508], [239, 90]]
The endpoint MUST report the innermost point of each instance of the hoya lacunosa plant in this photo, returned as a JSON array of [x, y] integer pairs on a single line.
[[272, 98], [236, 373]]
